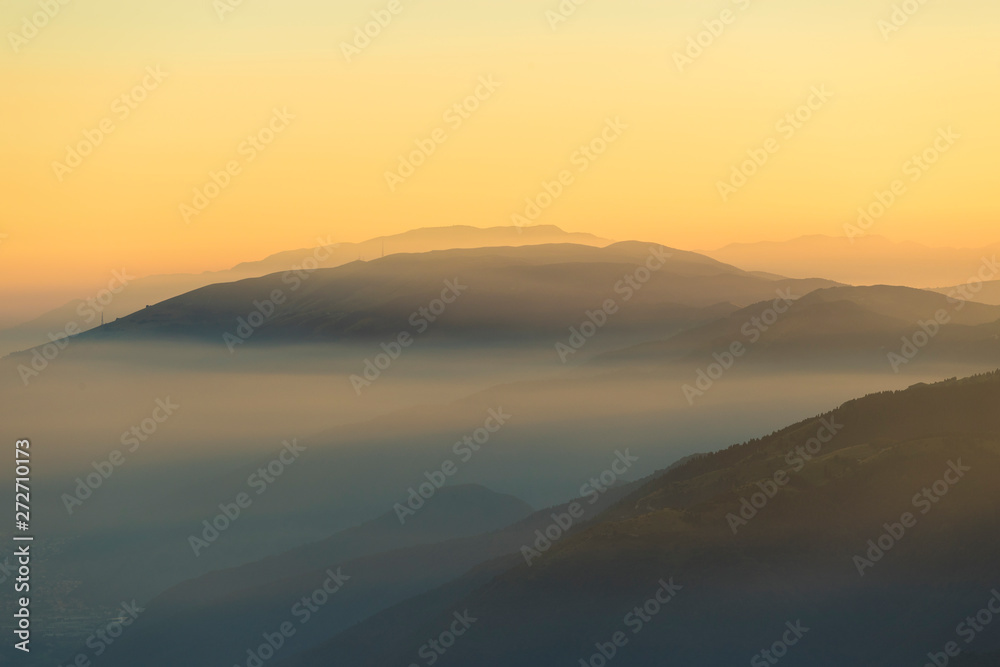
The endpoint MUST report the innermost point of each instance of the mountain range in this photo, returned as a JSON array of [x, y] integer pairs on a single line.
[[499, 294], [858, 327], [764, 535], [142, 292], [865, 260], [876, 521]]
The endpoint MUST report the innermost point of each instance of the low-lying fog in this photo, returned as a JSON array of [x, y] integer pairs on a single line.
[[206, 421]]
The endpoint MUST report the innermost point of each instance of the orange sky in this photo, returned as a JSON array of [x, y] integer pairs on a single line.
[[325, 172]]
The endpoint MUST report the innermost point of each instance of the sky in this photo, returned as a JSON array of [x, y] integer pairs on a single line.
[[183, 86]]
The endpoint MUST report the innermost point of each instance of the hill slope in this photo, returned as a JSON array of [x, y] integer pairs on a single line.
[[385, 563], [484, 294], [868, 260], [859, 326], [142, 292], [914, 469]]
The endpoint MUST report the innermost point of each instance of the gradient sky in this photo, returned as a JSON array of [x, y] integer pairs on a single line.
[[324, 175]]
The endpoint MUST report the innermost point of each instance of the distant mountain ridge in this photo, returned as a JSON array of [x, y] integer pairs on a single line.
[[498, 294], [868, 260], [860, 326], [987, 292], [461, 529], [150, 290], [791, 557]]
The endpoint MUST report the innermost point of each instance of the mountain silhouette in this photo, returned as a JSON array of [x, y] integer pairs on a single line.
[[499, 294], [865, 260], [463, 529], [328, 253], [928, 457], [860, 326]]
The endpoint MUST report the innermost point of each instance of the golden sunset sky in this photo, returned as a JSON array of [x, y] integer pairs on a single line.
[[324, 174]]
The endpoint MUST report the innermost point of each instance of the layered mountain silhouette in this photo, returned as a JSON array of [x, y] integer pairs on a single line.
[[328, 253], [498, 294], [783, 534], [986, 292], [865, 260], [871, 530], [861, 326], [461, 529]]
